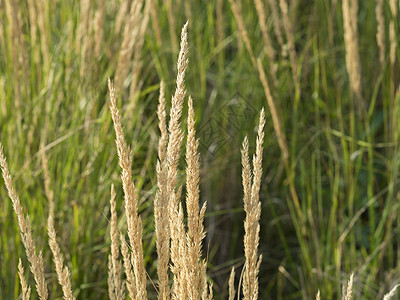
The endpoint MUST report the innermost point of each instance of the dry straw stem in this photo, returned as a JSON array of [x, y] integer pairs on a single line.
[[154, 21], [277, 22], [161, 218], [380, 32], [392, 32], [252, 207], [63, 273], [121, 16], [350, 11], [242, 30], [232, 285], [137, 62], [195, 218], [116, 285], [35, 260], [26, 290], [99, 18], [288, 27], [131, 204], [318, 297], [171, 21]]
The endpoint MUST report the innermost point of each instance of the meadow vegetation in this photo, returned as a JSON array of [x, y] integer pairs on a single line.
[[127, 177]]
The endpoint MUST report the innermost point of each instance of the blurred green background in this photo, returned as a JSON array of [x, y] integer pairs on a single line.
[[343, 163]]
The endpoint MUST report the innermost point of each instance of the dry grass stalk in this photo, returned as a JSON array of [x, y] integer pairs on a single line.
[[277, 22], [348, 290], [195, 218], [47, 182], [63, 273], [99, 18], [380, 32], [269, 50], [137, 62], [171, 21], [242, 30], [179, 256], [350, 11], [121, 15], [288, 27], [252, 207], [232, 285], [154, 21], [42, 12], [26, 290], [131, 204], [35, 260], [161, 203], [116, 285], [33, 30], [392, 32], [392, 292], [130, 277]]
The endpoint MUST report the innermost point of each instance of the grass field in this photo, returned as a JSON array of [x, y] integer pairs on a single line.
[[327, 75]]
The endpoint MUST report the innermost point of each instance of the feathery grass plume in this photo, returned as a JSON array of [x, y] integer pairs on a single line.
[[242, 30], [161, 218], [35, 260], [135, 229], [26, 290], [177, 231], [350, 9], [232, 284], [116, 290], [252, 207], [392, 32], [130, 277], [195, 217], [288, 27], [63, 273], [318, 297], [380, 31], [392, 292], [129, 42], [348, 290], [277, 23], [154, 22]]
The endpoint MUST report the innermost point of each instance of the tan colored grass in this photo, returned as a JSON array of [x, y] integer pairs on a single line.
[[318, 297], [35, 260], [130, 277], [155, 23], [251, 187], [99, 18], [242, 30], [161, 218], [392, 32], [232, 284], [26, 290], [171, 24], [116, 286], [348, 289], [277, 22], [63, 273], [131, 204], [121, 15], [380, 31], [350, 12], [392, 292], [288, 27]]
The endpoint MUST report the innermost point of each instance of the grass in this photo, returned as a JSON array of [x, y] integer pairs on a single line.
[[329, 191]]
